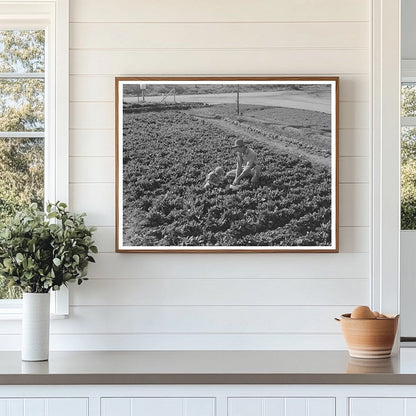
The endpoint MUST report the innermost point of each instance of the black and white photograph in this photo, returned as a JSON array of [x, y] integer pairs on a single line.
[[230, 164]]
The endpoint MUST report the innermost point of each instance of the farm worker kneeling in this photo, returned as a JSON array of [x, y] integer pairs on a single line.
[[214, 178], [247, 163]]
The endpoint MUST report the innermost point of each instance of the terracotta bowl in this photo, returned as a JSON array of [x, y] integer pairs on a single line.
[[369, 338]]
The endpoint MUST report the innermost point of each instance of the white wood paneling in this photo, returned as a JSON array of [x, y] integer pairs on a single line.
[[321, 407], [377, 407], [218, 11], [245, 407], [157, 406], [184, 341], [16, 407], [44, 407], [221, 61], [105, 238], [410, 406], [92, 116], [211, 321], [92, 88], [354, 205], [34, 407], [266, 265], [181, 341], [199, 407], [221, 291], [296, 407], [354, 170], [96, 199], [218, 35], [281, 407], [89, 169], [274, 406], [115, 407], [67, 407], [354, 239], [353, 115], [354, 142], [94, 143]]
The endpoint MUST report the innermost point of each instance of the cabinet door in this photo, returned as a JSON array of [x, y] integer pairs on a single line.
[[160, 406], [44, 407], [270, 406], [382, 406]]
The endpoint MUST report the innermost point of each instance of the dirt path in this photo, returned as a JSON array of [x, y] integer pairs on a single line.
[[233, 127]]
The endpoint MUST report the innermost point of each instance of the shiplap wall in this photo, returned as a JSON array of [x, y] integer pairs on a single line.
[[215, 301]]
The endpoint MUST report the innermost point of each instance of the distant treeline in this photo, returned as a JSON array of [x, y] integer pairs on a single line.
[[193, 89]]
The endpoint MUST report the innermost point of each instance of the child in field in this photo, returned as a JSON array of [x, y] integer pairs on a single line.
[[214, 178]]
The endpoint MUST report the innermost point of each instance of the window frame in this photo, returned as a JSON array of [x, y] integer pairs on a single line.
[[53, 17]]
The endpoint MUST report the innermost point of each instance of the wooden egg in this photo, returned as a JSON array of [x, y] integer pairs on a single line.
[[362, 312]]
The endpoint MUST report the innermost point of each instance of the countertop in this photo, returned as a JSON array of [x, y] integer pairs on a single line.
[[207, 367]]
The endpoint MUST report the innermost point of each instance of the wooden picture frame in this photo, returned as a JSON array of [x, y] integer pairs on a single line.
[[227, 164]]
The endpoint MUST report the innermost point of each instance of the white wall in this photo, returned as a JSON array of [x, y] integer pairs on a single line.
[[215, 301]]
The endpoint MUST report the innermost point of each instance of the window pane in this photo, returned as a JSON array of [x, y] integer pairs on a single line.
[[408, 99], [408, 178], [7, 292], [21, 182], [21, 173], [22, 51], [22, 105]]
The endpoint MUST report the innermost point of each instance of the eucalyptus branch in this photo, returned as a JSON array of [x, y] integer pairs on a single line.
[[43, 251]]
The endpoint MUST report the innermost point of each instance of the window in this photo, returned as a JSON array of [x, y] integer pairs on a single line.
[[22, 124], [408, 154], [33, 111]]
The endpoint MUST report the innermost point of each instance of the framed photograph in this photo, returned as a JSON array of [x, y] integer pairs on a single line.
[[227, 164]]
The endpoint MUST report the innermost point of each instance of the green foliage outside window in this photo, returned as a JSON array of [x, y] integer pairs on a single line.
[[408, 160], [21, 110]]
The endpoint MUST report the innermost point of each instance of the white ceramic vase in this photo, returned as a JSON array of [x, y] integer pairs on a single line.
[[35, 326]]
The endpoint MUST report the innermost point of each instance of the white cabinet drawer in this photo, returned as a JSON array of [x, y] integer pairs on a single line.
[[274, 406], [158, 406], [382, 406], [44, 407]]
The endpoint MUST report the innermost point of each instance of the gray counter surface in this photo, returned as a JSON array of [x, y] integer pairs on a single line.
[[207, 367]]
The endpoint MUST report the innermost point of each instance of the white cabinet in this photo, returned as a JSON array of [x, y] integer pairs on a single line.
[[271, 406], [160, 406], [44, 407], [382, 406], [208, 400]]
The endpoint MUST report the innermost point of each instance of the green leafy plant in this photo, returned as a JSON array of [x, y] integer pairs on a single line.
[[43, 251]]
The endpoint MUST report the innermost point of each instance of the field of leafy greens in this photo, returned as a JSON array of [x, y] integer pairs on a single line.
[[167, 153]]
